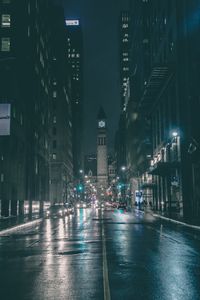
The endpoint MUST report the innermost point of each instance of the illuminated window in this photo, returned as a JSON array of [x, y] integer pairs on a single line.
[[36, 166], [5, 20], [54, 119], [5, 44], [46, 144], [2, 177], [29, 8], [54, 94], [54, 155]]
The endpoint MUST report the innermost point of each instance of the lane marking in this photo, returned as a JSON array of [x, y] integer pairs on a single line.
[[106, 286]]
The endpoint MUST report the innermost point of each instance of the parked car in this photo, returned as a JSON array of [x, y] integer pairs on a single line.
[[56, 211], [69, 207], [115, 204], [122, 206]]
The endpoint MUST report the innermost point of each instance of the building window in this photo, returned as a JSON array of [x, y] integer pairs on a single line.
[[36, 166], [5, 1], [2, 177], [54, 144], [21, 119], [5, 44], [54, 94], [46, 144], [54, 155], [54, 119], [54, 131], [5, 20], [14, 112]]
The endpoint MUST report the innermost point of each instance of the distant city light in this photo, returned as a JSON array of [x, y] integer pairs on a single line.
[[72, 22]]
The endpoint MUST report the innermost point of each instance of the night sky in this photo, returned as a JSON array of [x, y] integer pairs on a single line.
[[100, 24]]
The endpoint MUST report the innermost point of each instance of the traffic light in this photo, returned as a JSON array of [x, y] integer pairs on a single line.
[[79, 187], [119, 186]]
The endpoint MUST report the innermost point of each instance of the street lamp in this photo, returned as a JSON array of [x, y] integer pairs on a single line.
[[123, 169]]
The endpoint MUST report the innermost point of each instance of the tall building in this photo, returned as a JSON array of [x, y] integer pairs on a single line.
[[25, 48], [61, 158], [164, 102], [124, 46], [13, 111], [102, 156], [27, 76], [75, 60], [124, 56]]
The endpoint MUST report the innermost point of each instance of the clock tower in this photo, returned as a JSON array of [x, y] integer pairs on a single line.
[[102, 159]]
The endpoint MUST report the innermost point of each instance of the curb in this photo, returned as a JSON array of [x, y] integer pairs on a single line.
[[170, 220], [20, 226], [177, 222]]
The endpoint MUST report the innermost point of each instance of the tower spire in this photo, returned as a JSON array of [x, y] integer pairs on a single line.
[[101, 114]]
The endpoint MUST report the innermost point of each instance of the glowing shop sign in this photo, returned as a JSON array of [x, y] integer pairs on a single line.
[[72, 22]]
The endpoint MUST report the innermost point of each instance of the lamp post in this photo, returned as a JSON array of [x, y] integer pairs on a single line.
[[123, 169]]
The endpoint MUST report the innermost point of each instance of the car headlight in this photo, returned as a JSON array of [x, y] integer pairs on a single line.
[[78, 205], [65, 210], [60, 212]]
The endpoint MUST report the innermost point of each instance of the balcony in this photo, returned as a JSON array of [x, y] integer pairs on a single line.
[[159, 77]]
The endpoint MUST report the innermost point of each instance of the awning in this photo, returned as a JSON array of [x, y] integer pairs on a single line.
[[163, 168], [148, 185]]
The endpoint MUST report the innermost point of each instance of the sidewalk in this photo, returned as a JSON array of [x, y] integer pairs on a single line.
[[13, 222], [173, 217]]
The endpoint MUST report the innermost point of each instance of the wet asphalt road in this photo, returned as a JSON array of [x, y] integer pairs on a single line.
[[101, 255]]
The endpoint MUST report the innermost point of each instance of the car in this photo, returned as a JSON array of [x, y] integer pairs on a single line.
[[99, 205], [122, 206], [56, 211], [114, 204], [69, 207], [81, 205]]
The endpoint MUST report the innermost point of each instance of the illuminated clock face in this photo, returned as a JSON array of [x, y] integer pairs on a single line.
[[102, 124]]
